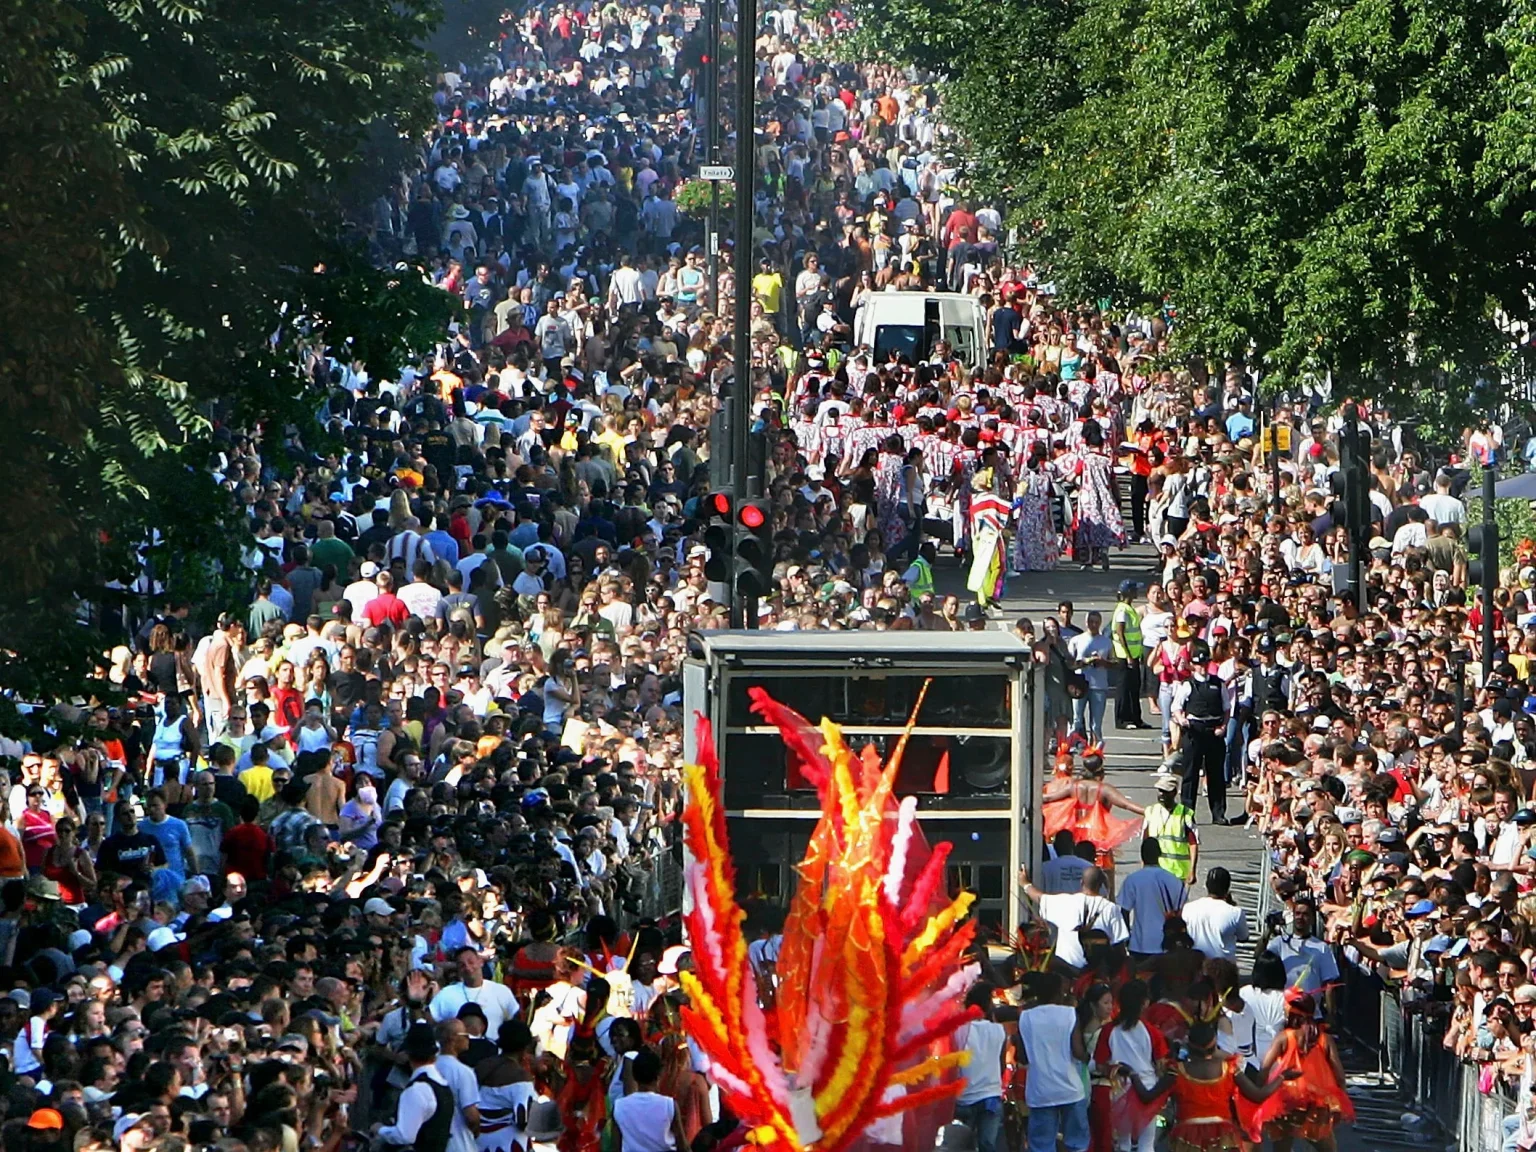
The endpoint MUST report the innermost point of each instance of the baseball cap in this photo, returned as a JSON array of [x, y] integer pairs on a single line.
[[162, 937], [127, 1122], [369, 570], [45, 1118], [377, 907], [669, 959], [1422, 908]]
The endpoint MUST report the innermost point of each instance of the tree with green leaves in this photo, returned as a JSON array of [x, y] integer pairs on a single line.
[[179, 177], [1313, 187]]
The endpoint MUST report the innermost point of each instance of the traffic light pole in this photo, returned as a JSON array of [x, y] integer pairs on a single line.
[[1490, 566], [1355, 502], [711, 80], [743, 607]]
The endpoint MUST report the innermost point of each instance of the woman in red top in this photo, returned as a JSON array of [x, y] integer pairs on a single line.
[[36, 826], [287, 702], [69, 865]]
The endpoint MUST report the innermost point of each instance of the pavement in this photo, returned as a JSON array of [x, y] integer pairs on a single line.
[[1131, 759]]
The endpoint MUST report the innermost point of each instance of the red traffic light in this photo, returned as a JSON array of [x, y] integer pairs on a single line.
[[721, 502], [751, 517]]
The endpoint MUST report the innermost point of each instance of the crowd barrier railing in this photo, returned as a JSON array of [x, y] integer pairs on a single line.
[[653, 886]]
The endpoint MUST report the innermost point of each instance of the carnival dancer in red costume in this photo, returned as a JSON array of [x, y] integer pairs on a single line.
[[1132, 1052], [1212, 1099], [1082, 805], [1304, 1062], [583, 1093]]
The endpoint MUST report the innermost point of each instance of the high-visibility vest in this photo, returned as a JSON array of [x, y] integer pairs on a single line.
[[1132, 648], [1171, 831], [924, 582]]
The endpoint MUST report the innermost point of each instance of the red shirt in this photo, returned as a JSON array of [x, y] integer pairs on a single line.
[[387, 608], [247, 848], [37, 835]]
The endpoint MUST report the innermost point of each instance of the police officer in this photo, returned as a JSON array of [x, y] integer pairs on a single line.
[[1200, 710]]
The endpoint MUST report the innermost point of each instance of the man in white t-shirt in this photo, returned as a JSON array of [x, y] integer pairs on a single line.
[[495, 1000], [1072, 912], [1053, 1049], [1215, 923]]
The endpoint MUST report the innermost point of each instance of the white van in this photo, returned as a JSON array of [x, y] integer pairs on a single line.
[[912, 322]]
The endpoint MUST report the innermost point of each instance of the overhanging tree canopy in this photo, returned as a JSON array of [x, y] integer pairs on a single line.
[[178, 173], [1329, 187]]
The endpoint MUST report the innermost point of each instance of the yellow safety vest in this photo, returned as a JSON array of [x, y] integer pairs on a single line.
[[1132, 648], [1171, 831], [924, 583]]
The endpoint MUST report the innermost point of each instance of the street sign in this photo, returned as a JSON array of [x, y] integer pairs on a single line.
[[1271, 432], [716, 172]]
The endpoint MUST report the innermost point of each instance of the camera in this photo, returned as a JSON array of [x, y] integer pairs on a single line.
[[1276, 919]]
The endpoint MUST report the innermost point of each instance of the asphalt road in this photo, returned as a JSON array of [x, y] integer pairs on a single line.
[[1131, 759]]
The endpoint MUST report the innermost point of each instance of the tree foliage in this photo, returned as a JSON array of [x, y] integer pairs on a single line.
[[1342, 188], [178, 173]]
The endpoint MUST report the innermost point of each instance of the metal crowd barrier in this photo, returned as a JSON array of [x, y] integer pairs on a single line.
[[1408, 1048], [654, 888]]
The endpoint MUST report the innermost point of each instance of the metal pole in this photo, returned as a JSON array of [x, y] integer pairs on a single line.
[[711, 81], [1490, 566], [1461, 693], [744, 485], [1349, 442]]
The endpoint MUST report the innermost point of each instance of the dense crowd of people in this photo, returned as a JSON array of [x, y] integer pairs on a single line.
[[385, 856]]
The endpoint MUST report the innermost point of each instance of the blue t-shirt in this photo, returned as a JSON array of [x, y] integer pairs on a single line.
[[175, 838]]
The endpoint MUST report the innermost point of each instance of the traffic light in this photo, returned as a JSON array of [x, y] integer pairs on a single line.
[[754, 547], [1338, 498], [1350, 488], [716, 512], [1482, 548]]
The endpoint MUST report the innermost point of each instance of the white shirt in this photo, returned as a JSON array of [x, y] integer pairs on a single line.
[[1067, 912], [645, 1122], [1046, 1033], [1309, 963], [417, 1104], [1085, 647], [358, 594], [1133, 1048], [983, 1076], [1443, 508], [420, 599], [1216, 926], [495, 1000], [466, 1094], [1149, 895], [1267, 1008]]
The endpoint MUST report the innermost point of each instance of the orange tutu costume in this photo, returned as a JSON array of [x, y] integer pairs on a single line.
[[1089, 821], [1204, 1116], [1308, 1106]]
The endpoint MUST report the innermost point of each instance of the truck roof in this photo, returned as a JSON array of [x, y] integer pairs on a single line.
[[976, 645]]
